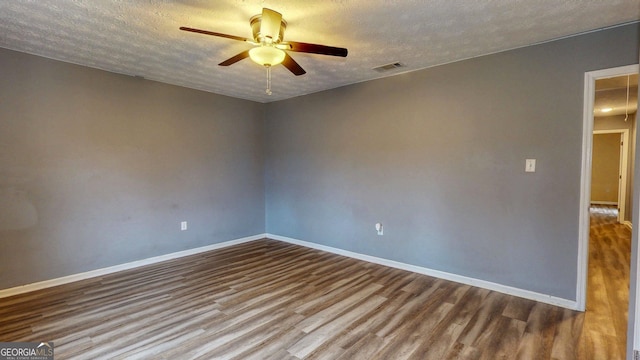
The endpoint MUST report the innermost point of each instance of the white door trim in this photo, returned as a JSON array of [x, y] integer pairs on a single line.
[[622, 171], [585, 178]]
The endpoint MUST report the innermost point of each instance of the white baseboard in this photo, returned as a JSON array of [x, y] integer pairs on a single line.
[[531, 295], [112, 269], [547, 299], [613, 203]]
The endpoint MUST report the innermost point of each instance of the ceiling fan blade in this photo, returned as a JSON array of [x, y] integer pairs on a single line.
[[205, 32], [317, 49], [235, 59], [292, 65], [270, 24]]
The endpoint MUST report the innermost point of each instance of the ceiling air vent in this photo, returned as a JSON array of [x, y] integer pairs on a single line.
[[388, 67]]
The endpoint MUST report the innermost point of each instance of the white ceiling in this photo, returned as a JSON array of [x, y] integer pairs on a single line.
[[617, 95], [137, 37]]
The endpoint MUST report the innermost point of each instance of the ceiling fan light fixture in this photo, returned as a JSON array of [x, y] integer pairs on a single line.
[[266, 55]]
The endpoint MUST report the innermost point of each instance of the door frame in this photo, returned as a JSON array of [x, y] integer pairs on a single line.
[[590, 78], [622, 170]]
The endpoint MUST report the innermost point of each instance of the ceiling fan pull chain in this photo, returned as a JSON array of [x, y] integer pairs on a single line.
[[268, 91]]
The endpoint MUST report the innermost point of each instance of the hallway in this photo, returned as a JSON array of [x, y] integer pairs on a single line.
[[605, 322]]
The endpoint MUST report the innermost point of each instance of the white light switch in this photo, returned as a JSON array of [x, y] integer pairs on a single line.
[[379, 229], [530, 165]]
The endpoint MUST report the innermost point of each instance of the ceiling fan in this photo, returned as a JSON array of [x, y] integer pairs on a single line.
[[269, 48]]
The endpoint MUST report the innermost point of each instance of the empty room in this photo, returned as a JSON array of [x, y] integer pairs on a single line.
[[318, 180]]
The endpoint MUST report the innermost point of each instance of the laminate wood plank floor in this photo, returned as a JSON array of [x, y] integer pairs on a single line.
[[272, 300], [605, 321]]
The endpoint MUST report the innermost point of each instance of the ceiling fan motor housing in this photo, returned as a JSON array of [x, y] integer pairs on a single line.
[[258, 36]]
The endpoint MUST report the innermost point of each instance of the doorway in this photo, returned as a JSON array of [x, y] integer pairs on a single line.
[[585, 186], [609, 168], [590, 111]]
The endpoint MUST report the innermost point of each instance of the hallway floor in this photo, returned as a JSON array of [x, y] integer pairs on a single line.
[[605, 322]]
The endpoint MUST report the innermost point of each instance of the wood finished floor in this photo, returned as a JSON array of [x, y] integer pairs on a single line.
[[272, 300], [605, 321]]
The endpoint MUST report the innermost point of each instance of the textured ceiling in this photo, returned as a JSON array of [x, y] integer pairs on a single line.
[[141, 37], [612, 94]]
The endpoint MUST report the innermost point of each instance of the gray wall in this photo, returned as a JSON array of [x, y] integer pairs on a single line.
[[98, 169], [438, 157]]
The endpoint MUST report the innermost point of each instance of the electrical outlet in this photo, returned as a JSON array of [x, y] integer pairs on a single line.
[[183, 226]]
